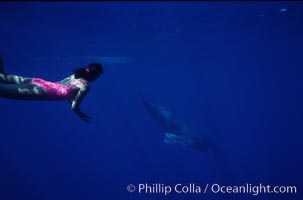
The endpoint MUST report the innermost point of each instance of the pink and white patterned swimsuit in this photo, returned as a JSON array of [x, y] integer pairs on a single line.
[[55, 90]]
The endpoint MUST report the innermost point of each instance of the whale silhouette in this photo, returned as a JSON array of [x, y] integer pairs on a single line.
[[177, 130]]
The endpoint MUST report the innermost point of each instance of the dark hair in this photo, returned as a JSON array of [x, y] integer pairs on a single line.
[[95, 70]]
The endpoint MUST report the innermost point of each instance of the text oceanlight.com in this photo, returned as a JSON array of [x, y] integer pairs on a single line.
[[192, 188]]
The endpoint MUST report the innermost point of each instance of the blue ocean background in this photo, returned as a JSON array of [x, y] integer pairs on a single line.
[[233, 70]]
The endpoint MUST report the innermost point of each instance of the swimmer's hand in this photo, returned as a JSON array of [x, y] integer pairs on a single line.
[[76, 107], [83, 116]]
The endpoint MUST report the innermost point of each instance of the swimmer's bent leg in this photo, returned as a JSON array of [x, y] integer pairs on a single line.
[[13, 79], [22, 92]]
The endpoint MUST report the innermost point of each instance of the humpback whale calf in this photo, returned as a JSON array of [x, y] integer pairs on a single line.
[[176, 130]]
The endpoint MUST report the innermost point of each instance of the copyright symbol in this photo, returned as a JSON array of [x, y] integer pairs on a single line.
[[131, 188]]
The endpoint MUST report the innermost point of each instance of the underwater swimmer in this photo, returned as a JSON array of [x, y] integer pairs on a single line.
[[73, 88]]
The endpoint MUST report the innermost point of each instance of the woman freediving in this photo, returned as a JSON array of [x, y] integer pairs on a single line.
[[73, 88]]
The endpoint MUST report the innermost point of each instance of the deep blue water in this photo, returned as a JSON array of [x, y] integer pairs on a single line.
[[232, 70]]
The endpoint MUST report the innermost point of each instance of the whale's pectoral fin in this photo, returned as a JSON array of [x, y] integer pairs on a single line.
[[168, 141], [176, 139]]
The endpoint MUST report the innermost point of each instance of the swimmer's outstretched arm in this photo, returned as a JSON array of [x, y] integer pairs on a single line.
[[77, 101]]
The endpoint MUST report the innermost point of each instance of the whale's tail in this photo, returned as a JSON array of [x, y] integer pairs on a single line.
[[148, 104]]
